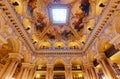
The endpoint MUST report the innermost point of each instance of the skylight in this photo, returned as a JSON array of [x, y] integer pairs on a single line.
[[59, 15]]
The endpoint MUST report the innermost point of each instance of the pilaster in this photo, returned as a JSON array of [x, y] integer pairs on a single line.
[[12, 65], [68, 71], [27, 71], [49, 74], [106, 67]]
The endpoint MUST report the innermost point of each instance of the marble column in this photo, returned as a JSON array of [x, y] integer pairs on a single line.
[[4, 69], [13, 70], [49, 73], [31, 74], [106, 67], [27, 71], [24, 75], [68, 72], [89, 72], [93, 72], [14, 60], [19, 74], [86, 72], [31, 71]]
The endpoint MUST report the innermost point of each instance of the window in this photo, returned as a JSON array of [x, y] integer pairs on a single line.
[[58, 13]]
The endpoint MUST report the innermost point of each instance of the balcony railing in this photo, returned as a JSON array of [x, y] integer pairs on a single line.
[[76, 69], [59, 77], [59, 68], [41, 69]]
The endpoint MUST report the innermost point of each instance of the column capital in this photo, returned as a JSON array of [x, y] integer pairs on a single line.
[[15, 56], [67, 65], [88, 65], [115, 41], [31, 65], [28, 65], [100, 56], [50, 65]]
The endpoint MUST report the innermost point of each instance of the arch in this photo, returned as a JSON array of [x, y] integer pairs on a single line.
[[59, 64], [59, 44], [76, 61], [34, 39], [45, 44], [27, 24], [77, 64], [41, 61], [73, 44], [59, 60], [41, 64], [41, 44]]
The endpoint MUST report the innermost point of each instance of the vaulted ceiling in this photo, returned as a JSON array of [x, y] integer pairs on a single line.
[[43, 34]]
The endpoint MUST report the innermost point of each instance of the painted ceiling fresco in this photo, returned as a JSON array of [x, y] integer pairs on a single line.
[[36, 20], [39, 13]]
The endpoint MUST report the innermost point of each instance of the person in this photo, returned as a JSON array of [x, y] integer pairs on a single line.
[[31, 6], [85, 5], [66, 33], [50, 36], [78, 24]]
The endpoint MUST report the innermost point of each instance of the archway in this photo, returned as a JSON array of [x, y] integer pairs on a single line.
[[77, 68], [41, 67], [59, 69]]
